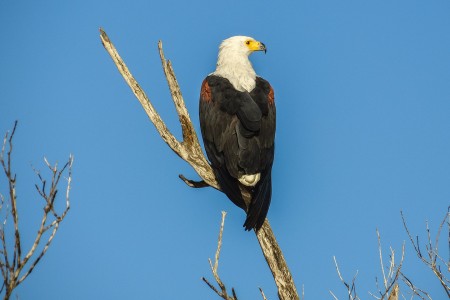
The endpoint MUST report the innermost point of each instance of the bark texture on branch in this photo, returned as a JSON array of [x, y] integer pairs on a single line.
[[189, 149]]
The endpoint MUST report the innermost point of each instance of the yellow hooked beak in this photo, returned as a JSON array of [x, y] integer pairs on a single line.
[[256, 46]]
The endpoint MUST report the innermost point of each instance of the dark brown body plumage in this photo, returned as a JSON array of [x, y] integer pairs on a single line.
[[238, 130]]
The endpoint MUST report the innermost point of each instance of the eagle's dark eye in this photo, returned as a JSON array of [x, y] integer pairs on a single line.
[[247, 42]]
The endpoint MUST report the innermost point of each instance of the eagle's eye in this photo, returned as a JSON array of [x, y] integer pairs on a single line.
[[247, 42]]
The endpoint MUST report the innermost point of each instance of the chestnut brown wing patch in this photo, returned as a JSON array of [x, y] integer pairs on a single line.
[[271, 96], [205, 93]]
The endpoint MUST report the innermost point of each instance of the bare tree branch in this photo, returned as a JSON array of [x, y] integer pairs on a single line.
[[214, 268], [414, 289], [192, 183], [14, 271], [45, 226], [12, 192], [351, 288], [390, 289], [390, 282], [262, 294], [434, 260], [381, 259], [190, 150]]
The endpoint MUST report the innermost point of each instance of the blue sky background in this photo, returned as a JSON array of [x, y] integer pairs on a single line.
[[363, 101]]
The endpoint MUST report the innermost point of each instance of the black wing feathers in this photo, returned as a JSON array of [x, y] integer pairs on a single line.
[[249, 114], [238, 130]]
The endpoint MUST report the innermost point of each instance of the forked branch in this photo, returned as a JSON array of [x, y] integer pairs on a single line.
[[15, 269], [390, 281], [214, 269], [389, 290], [431, 258], [351, 287], [189, 149]]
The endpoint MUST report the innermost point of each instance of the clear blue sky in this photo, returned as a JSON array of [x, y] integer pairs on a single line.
[[363, 101]]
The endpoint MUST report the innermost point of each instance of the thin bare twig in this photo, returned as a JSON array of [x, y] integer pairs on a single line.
[[262, 294], [214, 268], [351, 288], [381, 259], [193, 183], [190, 150], [414, 289], [334, 296]]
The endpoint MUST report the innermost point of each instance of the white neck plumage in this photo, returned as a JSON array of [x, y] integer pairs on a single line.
[[237, 68]]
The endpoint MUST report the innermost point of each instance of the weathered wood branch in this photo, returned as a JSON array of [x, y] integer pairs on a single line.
[[190, 150]]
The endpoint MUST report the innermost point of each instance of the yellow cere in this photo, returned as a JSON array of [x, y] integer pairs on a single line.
[[254, 45]]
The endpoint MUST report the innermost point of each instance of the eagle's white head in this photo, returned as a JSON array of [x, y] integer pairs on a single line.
[[233, 62]]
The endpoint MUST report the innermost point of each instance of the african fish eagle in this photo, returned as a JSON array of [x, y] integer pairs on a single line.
[[237, 120]]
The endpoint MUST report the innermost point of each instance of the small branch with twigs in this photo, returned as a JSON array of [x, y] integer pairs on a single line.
[[14, 267], [414, 289], [390, 281], [351, 287], [390, 289], [189, 150], [214, 269], [432, 259]]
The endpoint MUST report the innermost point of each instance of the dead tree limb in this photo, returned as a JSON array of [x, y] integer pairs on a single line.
[[414, 289], [432, 259], [15, 268], [214, 268], [390, 289], [390, 281], [189, 149]]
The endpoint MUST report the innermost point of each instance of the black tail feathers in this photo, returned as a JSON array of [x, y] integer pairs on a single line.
[[261, 196], [259, 206]]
